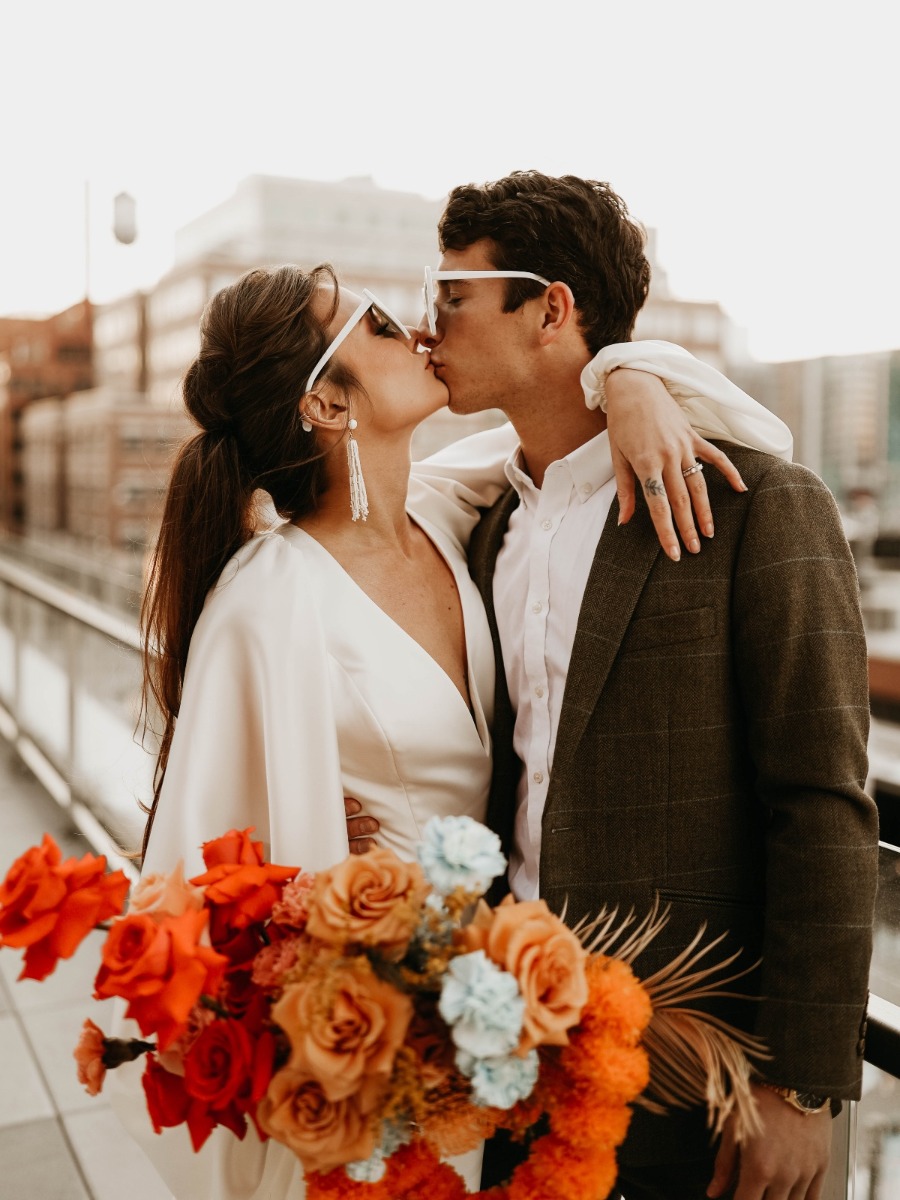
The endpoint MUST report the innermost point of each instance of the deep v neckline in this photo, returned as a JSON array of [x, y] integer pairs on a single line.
[[473, 709]]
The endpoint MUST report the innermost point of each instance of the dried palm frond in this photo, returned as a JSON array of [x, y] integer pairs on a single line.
[[695, 1057]]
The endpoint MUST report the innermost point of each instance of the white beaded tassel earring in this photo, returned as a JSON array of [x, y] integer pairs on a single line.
[[359, 501]]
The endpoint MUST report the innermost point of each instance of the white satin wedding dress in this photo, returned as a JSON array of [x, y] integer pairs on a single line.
[[300, 690]]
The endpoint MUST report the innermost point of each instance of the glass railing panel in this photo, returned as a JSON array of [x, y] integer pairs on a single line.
[[884, 977], [44, 678], [877, 1167], [7, 646], [109, 764]]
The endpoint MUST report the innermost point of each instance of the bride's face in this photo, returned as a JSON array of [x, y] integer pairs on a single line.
[[397, 377]]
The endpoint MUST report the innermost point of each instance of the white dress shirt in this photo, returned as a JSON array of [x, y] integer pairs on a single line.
[[539, 583]]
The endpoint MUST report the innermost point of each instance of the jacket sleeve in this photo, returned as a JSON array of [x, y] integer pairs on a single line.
[[802, 664], [255, 744]]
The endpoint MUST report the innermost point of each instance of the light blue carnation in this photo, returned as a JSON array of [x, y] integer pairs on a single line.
[[500, 1082], [482, 1005], [394, 1134], [457, 852]]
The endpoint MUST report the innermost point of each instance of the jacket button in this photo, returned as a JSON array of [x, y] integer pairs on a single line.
[[861, 1047]]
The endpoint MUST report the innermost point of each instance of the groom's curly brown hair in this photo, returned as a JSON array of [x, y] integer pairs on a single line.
[[572, 230]]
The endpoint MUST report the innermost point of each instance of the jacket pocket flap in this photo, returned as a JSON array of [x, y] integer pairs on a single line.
[[668, 629]]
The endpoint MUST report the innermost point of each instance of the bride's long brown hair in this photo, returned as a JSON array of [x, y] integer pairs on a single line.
[[259, 341]]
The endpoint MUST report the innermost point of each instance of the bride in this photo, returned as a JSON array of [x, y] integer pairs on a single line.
[[344, 652]]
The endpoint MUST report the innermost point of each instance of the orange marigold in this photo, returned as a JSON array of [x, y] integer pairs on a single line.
[[591, 1125]]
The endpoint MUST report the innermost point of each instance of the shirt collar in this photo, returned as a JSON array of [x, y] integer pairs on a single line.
[[589, 468]]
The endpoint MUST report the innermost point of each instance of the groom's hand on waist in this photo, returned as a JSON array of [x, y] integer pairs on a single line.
[[360, 828]]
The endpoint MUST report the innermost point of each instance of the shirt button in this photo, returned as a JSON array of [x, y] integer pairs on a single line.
[[538, 777], [539, 691], [587, 488], [546, 524], [537, 606]]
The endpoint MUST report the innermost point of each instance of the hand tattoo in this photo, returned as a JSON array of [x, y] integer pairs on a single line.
[[653, 487]]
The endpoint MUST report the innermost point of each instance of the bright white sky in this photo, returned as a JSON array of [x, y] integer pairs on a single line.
[[760, 139]]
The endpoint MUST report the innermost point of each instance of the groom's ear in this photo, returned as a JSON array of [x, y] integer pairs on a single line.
[[557, 312]]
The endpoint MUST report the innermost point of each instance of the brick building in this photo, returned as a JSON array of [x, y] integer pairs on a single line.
[[50, 356]]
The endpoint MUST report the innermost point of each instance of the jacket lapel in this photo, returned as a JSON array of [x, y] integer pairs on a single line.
[[619, 571], [483, 550]]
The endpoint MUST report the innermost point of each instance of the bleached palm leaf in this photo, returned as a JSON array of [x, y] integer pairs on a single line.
[[695, 1058]]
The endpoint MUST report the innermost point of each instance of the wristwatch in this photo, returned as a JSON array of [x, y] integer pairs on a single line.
[[805, 1102]]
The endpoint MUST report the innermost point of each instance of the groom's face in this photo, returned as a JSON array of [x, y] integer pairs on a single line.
[[479, 351]]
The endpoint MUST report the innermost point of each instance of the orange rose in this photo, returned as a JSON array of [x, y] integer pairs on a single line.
[[233, 848], [322, 1133], [89, 1056], [161, 969], [49, 907], [369, 899], [345, 1027], [240, 887], [547, 960], [165, 895]]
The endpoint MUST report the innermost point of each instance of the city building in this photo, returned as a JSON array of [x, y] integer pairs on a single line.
[[120, 344], [118, 454], [844, 413], [172, 325], [373, 236], [50, 356], [42, 432], [701, 326]]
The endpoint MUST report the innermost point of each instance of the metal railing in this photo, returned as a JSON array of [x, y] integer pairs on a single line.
[[70, 675], [69, 691]]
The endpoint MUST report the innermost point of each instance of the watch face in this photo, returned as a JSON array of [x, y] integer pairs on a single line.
[[810, 1101]]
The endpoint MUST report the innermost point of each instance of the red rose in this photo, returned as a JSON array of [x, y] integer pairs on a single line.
[[49, 907], [169, 1104], [161, 969], [167, 1100], [230, 1063]]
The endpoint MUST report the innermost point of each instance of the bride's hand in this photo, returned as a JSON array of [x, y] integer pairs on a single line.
[[650, 438]]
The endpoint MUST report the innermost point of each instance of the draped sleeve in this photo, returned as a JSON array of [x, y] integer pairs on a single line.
[[255, 744], [451, 488], [715, 407]]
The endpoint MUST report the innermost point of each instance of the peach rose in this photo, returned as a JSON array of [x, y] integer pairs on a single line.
[[370, 899], [161, 896], [324, 1134], [547, 960], [89, 1056], [345, 1028]]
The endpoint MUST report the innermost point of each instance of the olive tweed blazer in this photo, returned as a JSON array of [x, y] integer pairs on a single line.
[[712, 752]]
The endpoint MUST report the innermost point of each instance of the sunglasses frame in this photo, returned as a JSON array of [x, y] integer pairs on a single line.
[[432, 277], [370, 300]]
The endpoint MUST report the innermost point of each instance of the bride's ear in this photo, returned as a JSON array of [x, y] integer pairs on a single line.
[[323, 409]]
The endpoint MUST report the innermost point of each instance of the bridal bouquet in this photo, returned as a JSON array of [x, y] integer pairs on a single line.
[[379, 1016]]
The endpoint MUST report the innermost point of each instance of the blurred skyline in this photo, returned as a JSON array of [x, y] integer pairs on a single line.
[[758, 140]]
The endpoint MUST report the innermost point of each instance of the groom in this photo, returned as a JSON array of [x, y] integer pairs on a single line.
[[692, 730]]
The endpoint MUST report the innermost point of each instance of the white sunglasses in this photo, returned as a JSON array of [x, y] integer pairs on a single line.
[[381, 312], [433, 277]]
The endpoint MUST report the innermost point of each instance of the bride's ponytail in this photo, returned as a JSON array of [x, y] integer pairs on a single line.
[[259, 343]]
